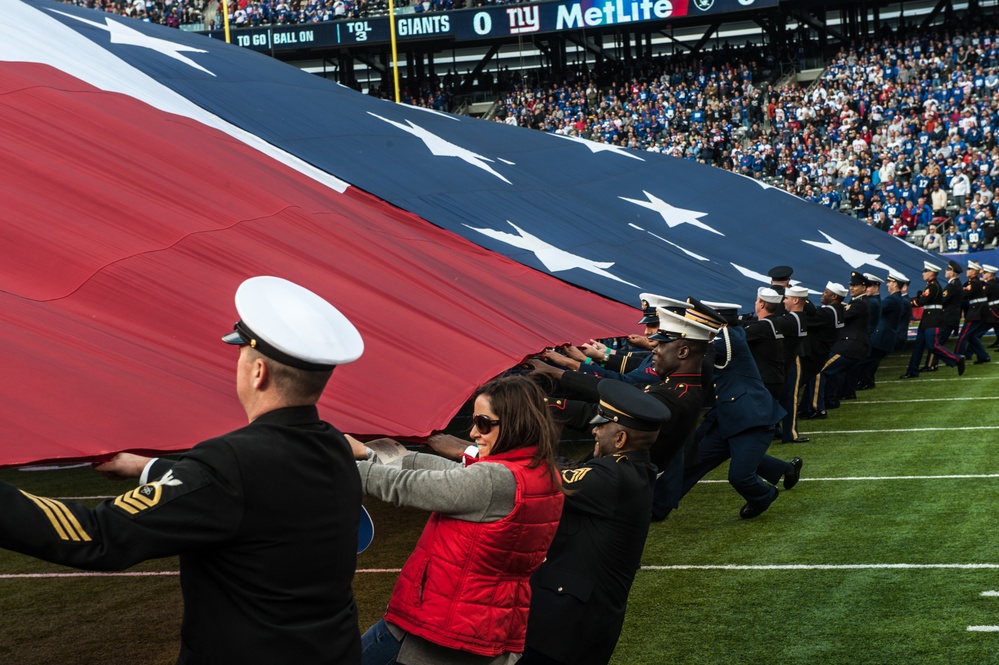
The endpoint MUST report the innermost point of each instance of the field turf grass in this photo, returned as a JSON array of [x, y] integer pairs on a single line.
[[884, 553]]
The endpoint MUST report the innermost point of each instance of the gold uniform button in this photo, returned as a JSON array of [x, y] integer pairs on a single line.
[[559, 589]]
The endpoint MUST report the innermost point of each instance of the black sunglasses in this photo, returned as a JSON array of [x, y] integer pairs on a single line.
[[483, 423]]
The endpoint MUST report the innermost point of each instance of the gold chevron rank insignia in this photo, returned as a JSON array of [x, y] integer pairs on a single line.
[[574, 475], [63, 521], [139, 499], [146, 496]]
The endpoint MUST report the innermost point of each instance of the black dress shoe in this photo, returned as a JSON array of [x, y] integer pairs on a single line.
[[815, 415], [866, 386], [961, 366], [982, 362], [848, 397], [909, 376], [792, 477], [750, 511], [800, 439]]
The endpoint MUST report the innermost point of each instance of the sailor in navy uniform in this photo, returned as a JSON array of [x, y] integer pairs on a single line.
[[580, 593], [851, 345], [766, 339], [241, 509], [824, 325], [795, 349]]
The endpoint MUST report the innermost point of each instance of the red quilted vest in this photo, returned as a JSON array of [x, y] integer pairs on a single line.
[[466, 584]]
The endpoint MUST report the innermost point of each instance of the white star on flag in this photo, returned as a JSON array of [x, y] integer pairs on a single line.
[[553, 258], [442, 148], [672, 215], [595, 147], [122, 34], [854, 257]]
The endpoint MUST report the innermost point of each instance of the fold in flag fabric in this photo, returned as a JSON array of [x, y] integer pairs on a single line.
[[148, 171]]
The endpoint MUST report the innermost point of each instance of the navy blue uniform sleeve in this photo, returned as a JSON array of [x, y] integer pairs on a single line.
[[195, 504]]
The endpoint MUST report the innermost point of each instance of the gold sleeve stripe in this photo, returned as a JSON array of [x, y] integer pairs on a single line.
[[69, 519], [63, 521]]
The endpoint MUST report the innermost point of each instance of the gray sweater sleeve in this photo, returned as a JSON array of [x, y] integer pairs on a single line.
[[482, 492]]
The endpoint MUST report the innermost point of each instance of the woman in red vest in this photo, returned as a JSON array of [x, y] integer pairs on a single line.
[[463, 595]]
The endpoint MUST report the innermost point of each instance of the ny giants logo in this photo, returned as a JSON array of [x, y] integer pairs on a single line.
[[524, 19]]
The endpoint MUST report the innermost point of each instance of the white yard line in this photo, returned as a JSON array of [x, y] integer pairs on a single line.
[[825, 566], [955, 476], [913, 429], [984, 629], [910, 401]]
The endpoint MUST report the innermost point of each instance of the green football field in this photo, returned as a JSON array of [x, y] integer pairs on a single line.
[[885, 552]]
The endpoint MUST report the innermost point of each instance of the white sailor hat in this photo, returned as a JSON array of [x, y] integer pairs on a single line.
[[651, 302], [929, 267], [676, 326], [873, 279], [987, 268], [838, 289], [766, 294], [292, 325], [795, 292], [974, 265], [898, 277]]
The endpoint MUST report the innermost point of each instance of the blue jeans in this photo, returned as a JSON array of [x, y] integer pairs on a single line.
[[379, 646]]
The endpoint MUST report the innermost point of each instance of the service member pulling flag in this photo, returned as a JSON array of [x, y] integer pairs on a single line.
[[242, 508]]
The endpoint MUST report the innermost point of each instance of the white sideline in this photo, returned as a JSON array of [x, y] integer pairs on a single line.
[[907, 429], [841, 566], [975, 475], [909, 401]]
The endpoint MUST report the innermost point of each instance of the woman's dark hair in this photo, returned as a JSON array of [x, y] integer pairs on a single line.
[[520, 407]]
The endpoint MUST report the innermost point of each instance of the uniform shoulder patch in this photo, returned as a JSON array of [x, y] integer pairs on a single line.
[[146, 496], [570, 476]]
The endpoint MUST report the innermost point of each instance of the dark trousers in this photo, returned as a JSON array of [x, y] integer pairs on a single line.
[[932, 340], [870, 367], [747, 450], [668, 489], [971, 338], [832, 379], [789, 400]]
